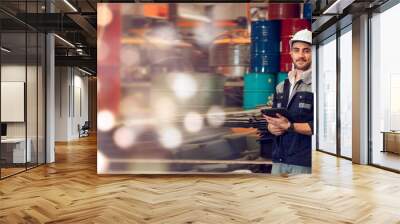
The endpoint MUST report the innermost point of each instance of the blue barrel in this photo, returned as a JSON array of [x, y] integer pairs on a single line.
[[307, 11], [258, 89], [265, 46], [280, 77], [265, 29], [265, 36], [265, 63], [258, 46]]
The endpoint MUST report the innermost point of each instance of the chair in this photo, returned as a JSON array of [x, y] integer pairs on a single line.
[[84, 130]]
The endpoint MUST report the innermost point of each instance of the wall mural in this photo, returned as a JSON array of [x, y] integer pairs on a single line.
[[181, 88]]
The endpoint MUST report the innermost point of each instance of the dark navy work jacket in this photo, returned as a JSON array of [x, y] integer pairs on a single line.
[[294, 148]]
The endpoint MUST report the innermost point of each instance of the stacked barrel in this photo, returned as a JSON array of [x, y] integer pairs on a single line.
[[258, 89], [270, 59], [259, 84], [284, 10], [307, 11], [288, 28]]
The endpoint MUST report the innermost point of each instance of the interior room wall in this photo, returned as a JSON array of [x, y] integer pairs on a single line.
[[29, 128], [80, 103], [13, 73], [62, 80], [71, 93]]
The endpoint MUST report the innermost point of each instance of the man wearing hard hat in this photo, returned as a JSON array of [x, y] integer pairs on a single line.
[[291, 152]]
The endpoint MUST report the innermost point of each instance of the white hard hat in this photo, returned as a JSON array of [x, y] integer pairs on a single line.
[[302, 36]]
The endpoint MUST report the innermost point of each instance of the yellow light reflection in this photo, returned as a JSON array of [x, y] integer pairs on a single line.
[[165, 110], [104, 15], [124, 137], [170, 137], [102, 163], [105, 120], [184, 86], [216, 116], [193, 122]]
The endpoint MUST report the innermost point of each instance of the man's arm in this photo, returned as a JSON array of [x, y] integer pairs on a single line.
[[302, 128], [281, 123]]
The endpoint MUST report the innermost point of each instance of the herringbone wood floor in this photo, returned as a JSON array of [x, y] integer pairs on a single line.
[[70, 191]]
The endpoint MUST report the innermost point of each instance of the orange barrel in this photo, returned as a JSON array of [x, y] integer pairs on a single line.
[[285, 47], [283, 10], [286, 62], [288, 28]]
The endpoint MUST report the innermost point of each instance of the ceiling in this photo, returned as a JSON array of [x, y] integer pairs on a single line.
[[76, 22]]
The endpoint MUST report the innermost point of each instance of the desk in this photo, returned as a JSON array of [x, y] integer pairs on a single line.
[[391, 141], [13, 150]]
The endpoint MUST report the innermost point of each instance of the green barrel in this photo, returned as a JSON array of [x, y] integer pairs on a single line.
[[280, 77], [258, 89]]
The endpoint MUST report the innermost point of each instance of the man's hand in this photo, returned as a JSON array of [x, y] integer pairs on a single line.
[[277, 126], [275, 130]]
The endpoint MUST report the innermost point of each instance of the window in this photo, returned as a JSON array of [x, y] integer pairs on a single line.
[[22, 88], [346, 92], [327, 95], [385, 89]]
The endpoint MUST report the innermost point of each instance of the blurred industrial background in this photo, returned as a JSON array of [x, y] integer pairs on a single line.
[[184, 83]]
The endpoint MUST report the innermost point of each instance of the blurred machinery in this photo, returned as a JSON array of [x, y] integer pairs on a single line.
[[230, 52], [239, 147], [198, 150], [229, 56]]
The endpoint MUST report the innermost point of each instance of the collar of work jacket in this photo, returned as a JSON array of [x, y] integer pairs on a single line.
[[305, 76]]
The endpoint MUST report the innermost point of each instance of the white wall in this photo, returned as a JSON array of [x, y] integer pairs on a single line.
[[81, 82], [80, 96], [13, 73], [71, 93], [16, 73], [33, 127], [62, 81]]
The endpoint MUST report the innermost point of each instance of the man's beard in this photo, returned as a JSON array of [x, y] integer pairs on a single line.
[[304, 68]]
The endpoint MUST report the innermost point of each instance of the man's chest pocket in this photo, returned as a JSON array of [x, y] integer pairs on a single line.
[[279, 101], [303, 104]]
